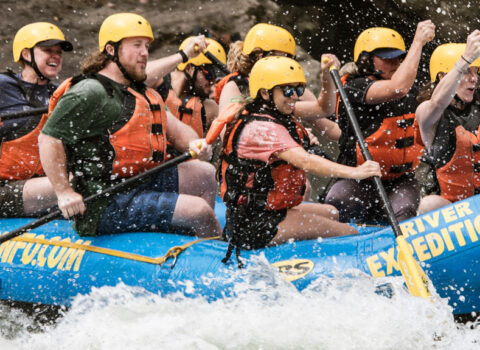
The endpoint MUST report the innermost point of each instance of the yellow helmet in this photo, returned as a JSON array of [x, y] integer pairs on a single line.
[[213, 47], [39, 33], [271, 71], [269, 38], [378, 38], [444, 58], [123, 25]]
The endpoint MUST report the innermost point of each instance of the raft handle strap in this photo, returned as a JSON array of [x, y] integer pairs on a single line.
[[172, 253]]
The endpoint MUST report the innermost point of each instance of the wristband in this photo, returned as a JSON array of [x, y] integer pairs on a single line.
[[460, 69], [463, 58], [184, 56]]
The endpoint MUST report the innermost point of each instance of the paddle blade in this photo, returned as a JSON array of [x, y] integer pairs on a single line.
[[415, 277]]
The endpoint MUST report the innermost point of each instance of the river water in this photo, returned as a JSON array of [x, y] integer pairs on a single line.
[[268, 313]]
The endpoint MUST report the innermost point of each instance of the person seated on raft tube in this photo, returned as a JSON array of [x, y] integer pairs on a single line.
[[264, 164], [381, 92], [449, 127], [186, 90], [264, 40], [112, 126], [24, 188]]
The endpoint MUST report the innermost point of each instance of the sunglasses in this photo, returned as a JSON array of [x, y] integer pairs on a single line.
[[208, 72], [288, 90]]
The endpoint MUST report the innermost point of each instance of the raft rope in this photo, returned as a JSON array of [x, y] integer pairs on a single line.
[[172, 253]]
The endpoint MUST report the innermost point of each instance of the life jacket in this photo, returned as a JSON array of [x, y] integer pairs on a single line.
[[392, 145], [254, 183], [20, 157], [137, 136], [240, 80], [188, 111], [19, 154], [460, 177]]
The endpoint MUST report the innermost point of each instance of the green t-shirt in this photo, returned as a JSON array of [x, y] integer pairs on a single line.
[[81, 121]]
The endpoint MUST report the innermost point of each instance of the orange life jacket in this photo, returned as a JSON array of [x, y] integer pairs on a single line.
[[20, 158], [255, 183], [460, 177], [140, 144], [138, 136], [392, 145], [189, 113], [239, 80]]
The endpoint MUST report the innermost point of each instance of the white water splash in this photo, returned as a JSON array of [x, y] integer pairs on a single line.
[[268, 313]]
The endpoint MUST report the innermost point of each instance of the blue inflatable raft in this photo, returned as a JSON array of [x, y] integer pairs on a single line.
[[51, 264]]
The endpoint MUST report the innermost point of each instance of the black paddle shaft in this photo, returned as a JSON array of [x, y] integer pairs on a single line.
[[366, 153], [56, 213], [217, 62], [26, 113]]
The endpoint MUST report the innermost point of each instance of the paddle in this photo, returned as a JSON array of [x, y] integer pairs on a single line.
[[56, 213], [415, 277], [19, 114]]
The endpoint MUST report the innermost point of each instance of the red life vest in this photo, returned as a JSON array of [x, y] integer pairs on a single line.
[[138, 136], [20, 158], [255, 183], [392, 145], [140, 144], [460, 177], [235, 76], [189, 113]]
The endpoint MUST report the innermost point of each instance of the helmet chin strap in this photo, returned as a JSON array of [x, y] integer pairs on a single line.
[[33, 64], [116, 59], [191, 79]]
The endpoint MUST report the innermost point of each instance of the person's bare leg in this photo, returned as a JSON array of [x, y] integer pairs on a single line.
[[38, 194], [310, 221], [195, 214], [197, 178], [431, 202]]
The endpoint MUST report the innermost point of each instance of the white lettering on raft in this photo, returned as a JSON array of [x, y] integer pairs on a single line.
[[54, 257], [433, 244]]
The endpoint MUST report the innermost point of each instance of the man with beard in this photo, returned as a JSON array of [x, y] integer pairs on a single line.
[[106, 126], [187, 89]]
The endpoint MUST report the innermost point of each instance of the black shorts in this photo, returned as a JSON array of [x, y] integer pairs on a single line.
[[251, 228], [11, 199]]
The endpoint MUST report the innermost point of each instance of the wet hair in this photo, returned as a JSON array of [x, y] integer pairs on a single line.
[[238, 61], [349, 68], [95, 63]]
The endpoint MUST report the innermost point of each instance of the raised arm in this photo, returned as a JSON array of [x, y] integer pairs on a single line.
[[158, 68], [429, 112], [324, 105], [401, 82]]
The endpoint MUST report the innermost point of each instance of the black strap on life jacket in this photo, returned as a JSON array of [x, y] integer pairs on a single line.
[[164, 88], [27, 94], [242, 168]]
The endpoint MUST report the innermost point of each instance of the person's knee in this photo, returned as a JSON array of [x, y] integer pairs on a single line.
[[332, 211], [196, 211], [430, 203]]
